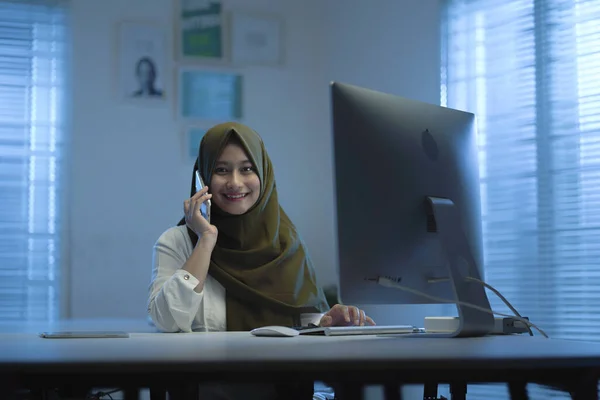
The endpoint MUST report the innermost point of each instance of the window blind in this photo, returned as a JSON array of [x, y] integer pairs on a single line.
[[32, 130], [530, 71]]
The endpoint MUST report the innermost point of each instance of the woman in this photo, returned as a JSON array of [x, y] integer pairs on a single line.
[[245, 268]]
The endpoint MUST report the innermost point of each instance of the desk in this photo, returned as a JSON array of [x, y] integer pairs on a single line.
[[148, 358]]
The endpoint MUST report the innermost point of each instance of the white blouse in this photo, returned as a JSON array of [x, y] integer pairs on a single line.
[[173, 305]]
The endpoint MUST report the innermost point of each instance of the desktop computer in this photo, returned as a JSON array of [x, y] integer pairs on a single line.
[[408, 205]]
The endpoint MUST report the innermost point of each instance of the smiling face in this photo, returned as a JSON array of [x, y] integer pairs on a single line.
[[235, 185]]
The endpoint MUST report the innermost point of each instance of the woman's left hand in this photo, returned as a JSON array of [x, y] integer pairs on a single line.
[[340, 315]]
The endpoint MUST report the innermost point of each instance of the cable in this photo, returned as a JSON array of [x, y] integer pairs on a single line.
[[496, 292], [383, 281]]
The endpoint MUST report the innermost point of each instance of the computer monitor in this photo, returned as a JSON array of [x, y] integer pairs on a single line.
[[407, 203]]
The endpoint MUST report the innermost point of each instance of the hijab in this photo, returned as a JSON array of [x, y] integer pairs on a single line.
[[259, 257]]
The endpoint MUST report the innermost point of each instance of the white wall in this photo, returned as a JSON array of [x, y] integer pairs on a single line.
[[387, 45], [129, 171]]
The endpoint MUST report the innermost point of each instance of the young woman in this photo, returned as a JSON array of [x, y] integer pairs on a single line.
[[245, 268]]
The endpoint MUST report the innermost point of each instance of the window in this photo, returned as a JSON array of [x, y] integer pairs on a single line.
[[530, 71], [32, 131]]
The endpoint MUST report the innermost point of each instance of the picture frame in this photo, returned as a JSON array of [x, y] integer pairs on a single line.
[[256, 39], [142, 62], [201, 32], [192, 135], [209, 94]]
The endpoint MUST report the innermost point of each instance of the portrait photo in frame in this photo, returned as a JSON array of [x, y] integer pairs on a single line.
[[141, 62]]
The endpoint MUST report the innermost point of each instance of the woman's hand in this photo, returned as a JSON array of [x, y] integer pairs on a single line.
[[194, 219], [340, 315]]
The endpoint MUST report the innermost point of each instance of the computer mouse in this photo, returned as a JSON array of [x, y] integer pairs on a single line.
[[275, 331]]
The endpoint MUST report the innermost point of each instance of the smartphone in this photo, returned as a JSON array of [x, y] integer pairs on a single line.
[[83, 334], [204, 207]]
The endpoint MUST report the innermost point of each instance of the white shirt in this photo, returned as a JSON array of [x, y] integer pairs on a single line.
[[173, 305]]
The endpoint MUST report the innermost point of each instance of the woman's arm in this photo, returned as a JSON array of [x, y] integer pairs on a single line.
[[199, 261], [176, 290], [179, 273]]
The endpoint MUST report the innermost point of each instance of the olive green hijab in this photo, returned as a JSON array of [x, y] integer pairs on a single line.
[[259, 257]]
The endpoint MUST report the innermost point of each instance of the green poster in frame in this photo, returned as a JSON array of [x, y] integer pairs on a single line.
[[201, 33]]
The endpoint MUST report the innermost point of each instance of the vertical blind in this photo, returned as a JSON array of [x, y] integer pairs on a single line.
[[530, 71], [32, 130]]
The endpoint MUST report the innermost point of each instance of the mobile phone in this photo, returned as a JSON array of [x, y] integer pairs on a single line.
[[204, 207], [83, 334]]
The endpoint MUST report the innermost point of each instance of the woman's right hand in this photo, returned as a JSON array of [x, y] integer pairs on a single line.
[[206, 232]]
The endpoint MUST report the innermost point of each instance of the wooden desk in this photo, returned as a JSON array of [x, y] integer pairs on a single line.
[[170, 359]]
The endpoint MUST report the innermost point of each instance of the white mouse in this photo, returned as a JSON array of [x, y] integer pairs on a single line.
[[279, 331]]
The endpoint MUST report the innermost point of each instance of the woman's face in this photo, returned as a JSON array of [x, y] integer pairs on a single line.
[[235, 186]]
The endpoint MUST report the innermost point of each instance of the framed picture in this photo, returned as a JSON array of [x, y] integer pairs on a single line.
[[192, 138], [201, 31], [142, 62], [255, 39], [209, 95]]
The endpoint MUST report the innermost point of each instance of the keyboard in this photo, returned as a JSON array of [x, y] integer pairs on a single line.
[[358, 330]]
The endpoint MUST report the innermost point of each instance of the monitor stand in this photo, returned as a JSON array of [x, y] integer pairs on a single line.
[[461, 264]]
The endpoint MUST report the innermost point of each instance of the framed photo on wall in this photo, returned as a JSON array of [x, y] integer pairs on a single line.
[[193, 135], [142, 62], [256, 39], [201, 31], [209, 95]]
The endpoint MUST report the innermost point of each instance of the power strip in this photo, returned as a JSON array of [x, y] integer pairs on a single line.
[[502, 326]]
